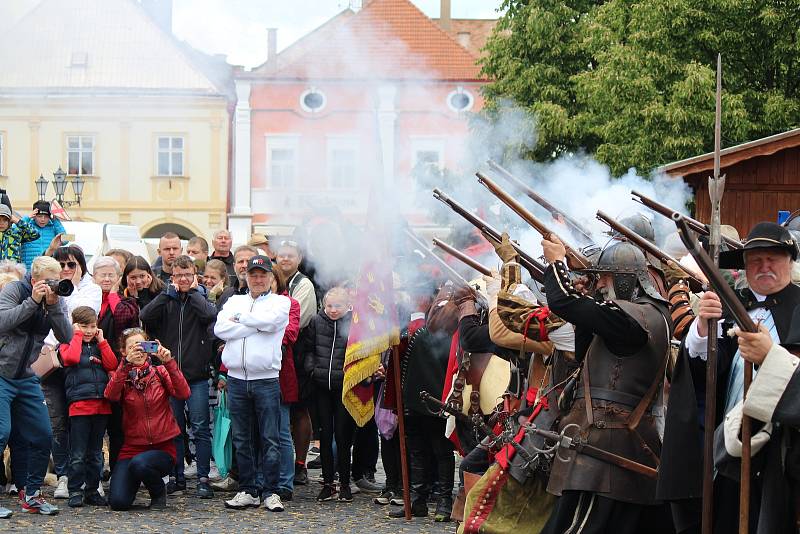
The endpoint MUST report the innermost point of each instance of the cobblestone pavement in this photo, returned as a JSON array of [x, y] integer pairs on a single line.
[[187, 513]]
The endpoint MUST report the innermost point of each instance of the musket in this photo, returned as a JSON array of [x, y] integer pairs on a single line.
[[463, 258], [477, 422], [533, 266], [428, 253], [694, 224], [580, 445], [576, 259], [715, 279], [543, 202], [693, 279]]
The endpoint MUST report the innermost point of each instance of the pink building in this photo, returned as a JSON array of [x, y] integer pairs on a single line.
[[366, 96]]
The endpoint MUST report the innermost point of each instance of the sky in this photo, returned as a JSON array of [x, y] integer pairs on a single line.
[[238, 28]]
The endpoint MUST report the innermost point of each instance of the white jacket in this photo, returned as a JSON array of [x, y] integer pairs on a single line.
[[253, 343]]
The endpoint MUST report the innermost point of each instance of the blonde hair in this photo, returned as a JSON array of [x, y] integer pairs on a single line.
[[337, 291], [5, 278], [44, 265]]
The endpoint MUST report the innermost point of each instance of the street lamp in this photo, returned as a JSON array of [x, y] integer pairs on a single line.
[[41, 187], [60, 186]]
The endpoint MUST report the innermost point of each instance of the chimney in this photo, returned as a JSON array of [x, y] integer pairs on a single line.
[[161, 12], [272, 45], [444, 14]]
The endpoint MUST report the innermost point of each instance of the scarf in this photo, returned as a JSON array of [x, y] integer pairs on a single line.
[[137, 375]]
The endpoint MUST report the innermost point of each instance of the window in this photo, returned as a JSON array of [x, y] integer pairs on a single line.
[[313, 100], [427, 152], [342, 163], [281, 161], [80, 155], [2, 154], [460, 100], [170, 156]]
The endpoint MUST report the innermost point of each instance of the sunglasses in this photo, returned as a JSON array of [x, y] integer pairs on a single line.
[[70, 264]]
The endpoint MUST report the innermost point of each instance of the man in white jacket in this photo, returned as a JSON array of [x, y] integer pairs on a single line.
[[252, 327]]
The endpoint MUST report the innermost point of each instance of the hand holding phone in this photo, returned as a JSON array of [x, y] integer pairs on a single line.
[[149, 347]]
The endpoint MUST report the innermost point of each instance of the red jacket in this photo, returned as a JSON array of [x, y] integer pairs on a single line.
[[146, 415], [70, 356], [288, 375]]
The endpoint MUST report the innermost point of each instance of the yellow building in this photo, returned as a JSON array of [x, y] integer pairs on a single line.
[[101, 89]]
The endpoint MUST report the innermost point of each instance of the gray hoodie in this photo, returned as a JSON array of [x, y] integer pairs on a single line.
[[23, 326]]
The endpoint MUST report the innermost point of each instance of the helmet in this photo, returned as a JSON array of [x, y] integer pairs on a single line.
[[628, 267], [640, 225]]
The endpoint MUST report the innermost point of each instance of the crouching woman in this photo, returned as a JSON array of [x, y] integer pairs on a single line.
[[143, 390]]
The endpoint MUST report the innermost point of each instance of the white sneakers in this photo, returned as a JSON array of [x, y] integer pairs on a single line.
[[61, 490], [191, 471], [226, 484], [273, 503], [243, 500]]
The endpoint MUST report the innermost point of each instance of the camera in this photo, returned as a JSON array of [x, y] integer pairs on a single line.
[[62, 288]]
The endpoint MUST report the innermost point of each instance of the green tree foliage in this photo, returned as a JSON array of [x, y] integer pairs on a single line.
[[633, 81]]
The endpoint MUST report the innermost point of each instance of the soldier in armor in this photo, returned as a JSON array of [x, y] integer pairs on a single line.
[[622, 343], [642, 226]]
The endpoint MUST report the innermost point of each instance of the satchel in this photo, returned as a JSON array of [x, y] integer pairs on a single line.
[[47, 362]]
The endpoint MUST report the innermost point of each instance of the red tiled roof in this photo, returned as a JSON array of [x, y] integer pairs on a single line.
[[478, 30], [389, 39]]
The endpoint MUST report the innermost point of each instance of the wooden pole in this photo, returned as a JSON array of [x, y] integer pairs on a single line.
[[716, 188], [401, 428], [744, 482]]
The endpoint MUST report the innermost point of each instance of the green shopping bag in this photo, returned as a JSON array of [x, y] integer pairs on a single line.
[[221, 444]]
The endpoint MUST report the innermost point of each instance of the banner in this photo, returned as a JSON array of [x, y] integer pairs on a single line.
[[374, 329]]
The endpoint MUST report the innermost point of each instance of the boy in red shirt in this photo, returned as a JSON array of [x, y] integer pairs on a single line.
[[87, 360]]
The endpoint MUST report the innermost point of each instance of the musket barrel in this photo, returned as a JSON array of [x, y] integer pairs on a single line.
[[532, 265], [454, 276], [463, 258], [539, 199], [668, 212], [576, 259], [649, 247]]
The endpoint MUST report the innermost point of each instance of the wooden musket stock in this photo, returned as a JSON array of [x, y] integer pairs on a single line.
[[533, 266], [543, 202], [463, 258], [575, 259]]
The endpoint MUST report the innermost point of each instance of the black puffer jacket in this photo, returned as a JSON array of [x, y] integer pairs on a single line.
[[324, 347]]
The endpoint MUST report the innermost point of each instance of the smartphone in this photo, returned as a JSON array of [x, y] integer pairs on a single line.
[[150, 347], [67, 237]]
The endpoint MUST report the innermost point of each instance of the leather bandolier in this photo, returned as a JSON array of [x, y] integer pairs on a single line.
[[621, 415], [423, 368]]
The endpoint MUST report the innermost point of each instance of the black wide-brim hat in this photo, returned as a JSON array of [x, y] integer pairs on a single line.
[[763, 235]]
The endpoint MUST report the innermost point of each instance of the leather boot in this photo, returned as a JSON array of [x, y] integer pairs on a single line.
[[444, 508], [419, 508]]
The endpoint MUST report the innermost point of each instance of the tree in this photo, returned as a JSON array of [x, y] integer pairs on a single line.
[[643, 94]]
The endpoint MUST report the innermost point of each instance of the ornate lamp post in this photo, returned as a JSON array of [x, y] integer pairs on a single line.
[[60, 186]]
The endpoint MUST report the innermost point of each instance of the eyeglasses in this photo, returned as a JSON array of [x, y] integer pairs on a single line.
[[184, 276], [70, 264]]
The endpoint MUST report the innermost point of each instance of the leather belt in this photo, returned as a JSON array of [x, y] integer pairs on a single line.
[[617, 397]]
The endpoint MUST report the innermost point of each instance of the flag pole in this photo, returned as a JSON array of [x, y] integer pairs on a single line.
[[401, 428]]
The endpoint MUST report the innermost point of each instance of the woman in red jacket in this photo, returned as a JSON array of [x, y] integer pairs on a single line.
[[148, 452]]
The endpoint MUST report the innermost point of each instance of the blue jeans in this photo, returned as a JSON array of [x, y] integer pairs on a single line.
[[256, 401], [31, 420], [148, 467], [85, 452], [199, 419], [286, 479]]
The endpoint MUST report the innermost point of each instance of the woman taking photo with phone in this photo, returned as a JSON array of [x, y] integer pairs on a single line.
[[148, 452]]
